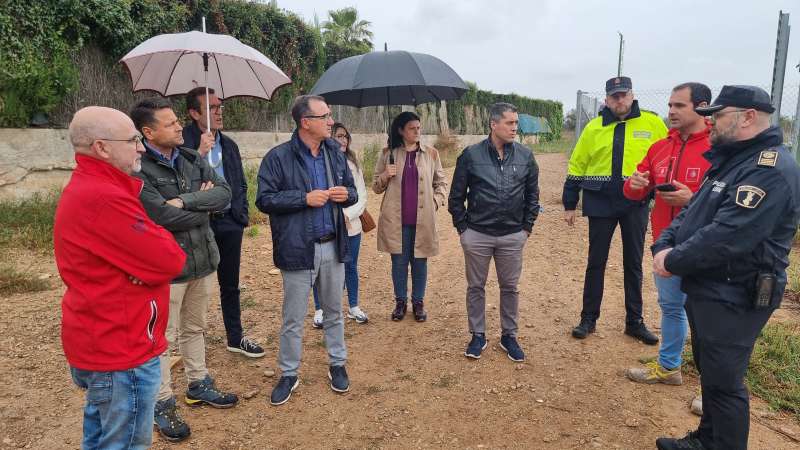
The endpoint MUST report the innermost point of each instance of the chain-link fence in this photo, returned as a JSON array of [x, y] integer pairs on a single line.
[[589, 104]]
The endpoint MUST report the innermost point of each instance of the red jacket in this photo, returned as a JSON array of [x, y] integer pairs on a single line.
[[667, 160], [102, 235]]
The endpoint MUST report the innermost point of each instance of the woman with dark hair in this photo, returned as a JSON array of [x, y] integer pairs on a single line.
[[411, 177], [351, 217]]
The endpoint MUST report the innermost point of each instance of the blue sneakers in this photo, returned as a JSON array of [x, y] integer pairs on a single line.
[[339, 381], [510, 345], [204, 392], [283, 390], [476, 346]]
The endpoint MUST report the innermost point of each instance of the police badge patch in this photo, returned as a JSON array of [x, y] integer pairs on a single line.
[[767, 158], [749, 196]]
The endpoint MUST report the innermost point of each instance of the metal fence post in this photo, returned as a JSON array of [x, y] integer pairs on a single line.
[[578, 115], [779, 69], [796, 127]]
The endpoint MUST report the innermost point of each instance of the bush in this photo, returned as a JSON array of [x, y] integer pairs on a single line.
[[251, 175], [369, 158], [28, 223], [15, 282]]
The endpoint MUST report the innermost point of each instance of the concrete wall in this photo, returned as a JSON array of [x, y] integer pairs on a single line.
[[38, 160]]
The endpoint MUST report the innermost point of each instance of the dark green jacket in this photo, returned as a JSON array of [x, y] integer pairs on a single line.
[[189, 225]]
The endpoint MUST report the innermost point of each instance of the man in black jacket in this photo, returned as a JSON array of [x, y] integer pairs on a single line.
[[222, 154], [303, 184], [730, 245], [499, 180], [180, 191]]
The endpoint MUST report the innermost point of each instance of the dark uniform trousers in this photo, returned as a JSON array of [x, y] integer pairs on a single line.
[[723, 336], [228, 234], [633, 226]]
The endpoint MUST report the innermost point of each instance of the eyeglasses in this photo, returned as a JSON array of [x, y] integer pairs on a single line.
[[719, 114], [136, 140], [327, 116], [216, 108]]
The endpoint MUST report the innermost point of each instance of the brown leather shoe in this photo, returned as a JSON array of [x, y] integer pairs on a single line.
[[419, 311], [399, 310]]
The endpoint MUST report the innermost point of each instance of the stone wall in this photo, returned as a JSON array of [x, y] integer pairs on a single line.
[[39, 160]]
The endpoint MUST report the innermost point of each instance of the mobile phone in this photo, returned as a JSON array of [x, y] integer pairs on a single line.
[[666, 187]]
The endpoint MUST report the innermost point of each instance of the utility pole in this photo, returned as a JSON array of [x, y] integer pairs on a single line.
[[619, 55]]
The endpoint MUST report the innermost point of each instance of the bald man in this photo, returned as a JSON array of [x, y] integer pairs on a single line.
[[116, 264]]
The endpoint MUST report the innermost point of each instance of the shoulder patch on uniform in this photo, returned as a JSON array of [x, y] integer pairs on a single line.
[[642, 134], [768, 158], [749, 196]]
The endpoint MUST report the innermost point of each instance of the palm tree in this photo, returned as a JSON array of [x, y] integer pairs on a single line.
[[345, 35]]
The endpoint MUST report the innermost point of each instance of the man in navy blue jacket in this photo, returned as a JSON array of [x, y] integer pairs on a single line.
[[223, 156], [303, 184]]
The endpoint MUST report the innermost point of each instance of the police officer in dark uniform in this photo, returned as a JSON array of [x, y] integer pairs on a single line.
[[731, 245]]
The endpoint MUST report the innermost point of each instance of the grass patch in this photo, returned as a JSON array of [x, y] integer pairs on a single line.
[[251, 175], [247, 302], [252, 231], [563, 145], [13, 281], [774, 373], [28, 223], [445, 382], [793, 273]]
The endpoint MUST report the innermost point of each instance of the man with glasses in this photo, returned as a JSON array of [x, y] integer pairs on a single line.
[[117, 265], [730, 246], [303, 184], [180, 192], [222, 154]]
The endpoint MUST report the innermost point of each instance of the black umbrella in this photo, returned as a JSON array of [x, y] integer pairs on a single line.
[[389, 78]]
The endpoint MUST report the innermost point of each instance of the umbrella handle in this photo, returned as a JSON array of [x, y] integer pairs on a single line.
[[391, 156]]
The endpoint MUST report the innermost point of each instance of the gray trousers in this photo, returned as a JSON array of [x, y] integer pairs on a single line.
[[328, 275], [479, 249]]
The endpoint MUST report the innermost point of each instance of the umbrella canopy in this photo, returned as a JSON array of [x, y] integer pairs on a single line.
[[533, 125], [389, 78], [173, 64]]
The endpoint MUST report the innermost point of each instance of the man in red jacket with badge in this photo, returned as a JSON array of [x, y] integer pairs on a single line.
[[673, 169], [116, 264]]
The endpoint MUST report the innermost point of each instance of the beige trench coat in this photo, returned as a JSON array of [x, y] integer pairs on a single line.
[[432, 195]]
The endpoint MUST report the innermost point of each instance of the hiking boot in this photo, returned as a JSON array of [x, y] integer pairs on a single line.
[[399, 310], [419, 311], [317, 323], [697, 405], [169, 423], [283, 390], [339, 381], [510, 345], [583, 329], [639, 331], [653, 373], [476, 346], [688, 442], [357, 314], [204, 392], [247, 347]]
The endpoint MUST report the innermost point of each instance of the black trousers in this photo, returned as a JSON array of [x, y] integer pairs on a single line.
[[723, 336], [633, 226], [228, 234]]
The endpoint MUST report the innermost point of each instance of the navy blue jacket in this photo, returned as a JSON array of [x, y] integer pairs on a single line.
[[231, 167], [283, 182], [741, 221]]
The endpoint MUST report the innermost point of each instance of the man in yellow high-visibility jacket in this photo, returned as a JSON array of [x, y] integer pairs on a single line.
[[607, 153]]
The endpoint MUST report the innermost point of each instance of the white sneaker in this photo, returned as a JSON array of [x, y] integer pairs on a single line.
[[317, 319], [357, 314]]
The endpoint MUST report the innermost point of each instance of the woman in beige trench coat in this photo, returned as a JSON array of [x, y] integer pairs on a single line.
[[411, 177]]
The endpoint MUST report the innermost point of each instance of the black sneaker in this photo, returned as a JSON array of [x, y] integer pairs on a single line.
[[688, 442], [583, 329], [169, 423], [248, 348], [640, 332], [204, 392], [399, 310], [339, 381], [476, 346], [419, 311], [283, 390], [510, 345]]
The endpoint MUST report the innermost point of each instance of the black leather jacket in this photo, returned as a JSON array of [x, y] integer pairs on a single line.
[[502, 196]]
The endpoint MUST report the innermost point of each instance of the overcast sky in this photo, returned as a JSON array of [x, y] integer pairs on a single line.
[[550, 48]]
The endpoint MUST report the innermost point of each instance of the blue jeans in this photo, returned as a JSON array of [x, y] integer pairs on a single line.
[[350, 274], [673, 321], [419, 269], [119, 406]]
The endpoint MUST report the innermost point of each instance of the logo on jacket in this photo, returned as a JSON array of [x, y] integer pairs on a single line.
[[139, 225], [749, 196], [692, 175]]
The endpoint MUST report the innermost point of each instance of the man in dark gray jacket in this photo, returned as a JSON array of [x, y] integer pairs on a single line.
[[180, 191], [499, 180]]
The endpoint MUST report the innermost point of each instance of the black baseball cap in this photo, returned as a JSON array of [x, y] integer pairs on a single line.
[[618, 84], [740, 96]]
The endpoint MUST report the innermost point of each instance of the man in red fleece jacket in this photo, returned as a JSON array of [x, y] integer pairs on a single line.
[[117, 265], [673, 168]]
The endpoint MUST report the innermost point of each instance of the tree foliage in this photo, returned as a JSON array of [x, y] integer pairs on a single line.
[[345, 35]]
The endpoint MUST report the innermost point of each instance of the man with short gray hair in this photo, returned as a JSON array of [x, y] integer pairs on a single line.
[[499, 180]]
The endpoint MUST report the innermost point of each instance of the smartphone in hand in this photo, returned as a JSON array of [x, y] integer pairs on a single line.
[[666, 187]]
